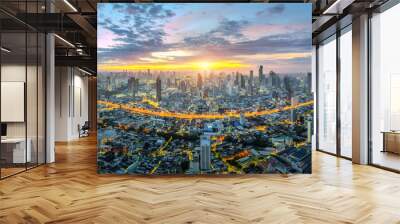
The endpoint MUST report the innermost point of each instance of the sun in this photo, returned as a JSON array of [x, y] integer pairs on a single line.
[[205, 65]]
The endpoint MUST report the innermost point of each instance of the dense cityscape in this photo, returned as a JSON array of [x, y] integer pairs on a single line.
[[175, 122], [184, 89]]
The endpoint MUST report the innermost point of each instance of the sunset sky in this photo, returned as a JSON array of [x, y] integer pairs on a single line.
[[193, 37]]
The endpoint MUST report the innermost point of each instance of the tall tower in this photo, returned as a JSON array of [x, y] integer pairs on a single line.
[[309, 131], [168, 82], [205, 152], [131, 86], [293, 113], [251, 82], [109, 87], [242, 82], [194, 163], [288, 86], [274, 79], [261, 76], [237, 79], [158, 89], [309, 82], [136, 86], [199, 81]]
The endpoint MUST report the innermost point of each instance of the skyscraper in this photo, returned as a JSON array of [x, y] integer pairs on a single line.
[[242, 82], [130, 84], [251, 82], [287, 82], [136, 86], [182, 86], [205, 152], [237, 79], [274, 80], [199, 81], [229, 88], [109, 87], [168, 83], [158, 89], [309, 131], [133, 85], [194, 163], [176, 83], [309, 82], [261, 76], [293, 112]]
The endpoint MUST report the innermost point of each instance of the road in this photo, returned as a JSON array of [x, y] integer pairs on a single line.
[[207, 116]]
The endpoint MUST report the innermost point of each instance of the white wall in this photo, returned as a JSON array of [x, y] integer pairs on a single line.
[[14, 73], [62, 82], [71, 103], [80, 110]]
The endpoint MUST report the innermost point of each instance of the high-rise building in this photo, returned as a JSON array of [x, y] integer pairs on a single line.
[[242, 82], [261, 76], [293, 112], [199, 81], [229, 88], [250, 85], [109, 87], [168, 82], [136, 86], [287, 82], [309, 131], [309, 82], [130, 84], [176, 83], [182, 86], [205, 152], [158, 89], [195, 162], [237, 79], [274, 80], [133, 85]]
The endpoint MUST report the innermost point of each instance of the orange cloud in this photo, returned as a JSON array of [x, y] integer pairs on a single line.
[[198, 65], [276, 56]]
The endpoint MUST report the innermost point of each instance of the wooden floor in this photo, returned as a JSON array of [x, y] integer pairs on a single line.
[[5, 172], [70, 191]]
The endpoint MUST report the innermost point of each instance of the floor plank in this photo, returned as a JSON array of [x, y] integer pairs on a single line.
[[70, 191]]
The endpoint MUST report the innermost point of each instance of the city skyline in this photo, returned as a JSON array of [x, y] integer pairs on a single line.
[[195, 37], [184, 90]]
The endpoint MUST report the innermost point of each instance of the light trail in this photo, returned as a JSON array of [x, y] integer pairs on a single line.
[[151, 102], [210, 116]]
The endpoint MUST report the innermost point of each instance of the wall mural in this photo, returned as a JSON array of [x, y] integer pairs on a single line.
[[205, 88]]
